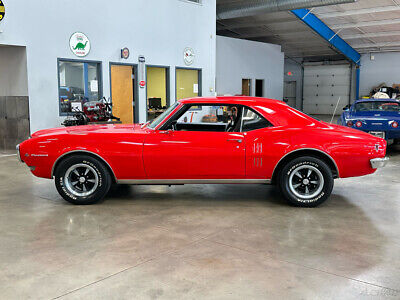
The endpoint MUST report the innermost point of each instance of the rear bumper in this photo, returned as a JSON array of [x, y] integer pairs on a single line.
[[389, 134], [379, 162]]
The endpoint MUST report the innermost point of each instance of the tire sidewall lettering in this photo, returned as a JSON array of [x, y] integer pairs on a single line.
[[72, 196], [309, 163]]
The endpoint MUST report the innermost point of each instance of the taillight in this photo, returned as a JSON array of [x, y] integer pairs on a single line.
[[349, 123], [358, 124], [394, 124]]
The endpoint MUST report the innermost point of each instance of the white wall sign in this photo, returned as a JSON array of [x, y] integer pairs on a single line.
[[94, 86], [79, 44], [188, 56]]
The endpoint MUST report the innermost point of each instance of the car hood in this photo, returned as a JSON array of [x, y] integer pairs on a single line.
[[87, 129]]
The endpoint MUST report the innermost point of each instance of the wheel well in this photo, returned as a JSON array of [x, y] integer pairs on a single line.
[[98, 157], [306, 152]]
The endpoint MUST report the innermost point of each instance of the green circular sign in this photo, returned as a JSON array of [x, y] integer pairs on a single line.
[[2, 10]]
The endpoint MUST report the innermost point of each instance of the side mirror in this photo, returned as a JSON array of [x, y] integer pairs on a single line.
[[347, 107]]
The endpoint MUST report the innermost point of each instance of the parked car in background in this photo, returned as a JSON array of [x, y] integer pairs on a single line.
[[232, 140], [379, 117]]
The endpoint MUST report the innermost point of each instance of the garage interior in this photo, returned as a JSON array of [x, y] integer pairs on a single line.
[[215, 241]]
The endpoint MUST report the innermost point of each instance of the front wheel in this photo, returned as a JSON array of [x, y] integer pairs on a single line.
[[306, 181], [82, 179]]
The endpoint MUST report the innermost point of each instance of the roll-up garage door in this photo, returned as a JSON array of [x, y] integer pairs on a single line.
[[323, 85]]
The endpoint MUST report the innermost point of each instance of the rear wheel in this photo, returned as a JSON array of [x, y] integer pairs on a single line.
[[82, 179], [306, 181]]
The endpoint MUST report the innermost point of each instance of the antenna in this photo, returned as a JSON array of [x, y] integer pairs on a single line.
[[335, 110]]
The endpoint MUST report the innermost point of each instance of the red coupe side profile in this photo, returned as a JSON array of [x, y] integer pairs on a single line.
[[216, 140]]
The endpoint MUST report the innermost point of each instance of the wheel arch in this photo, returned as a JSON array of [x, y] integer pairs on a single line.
[[84, 152], [306, 152]]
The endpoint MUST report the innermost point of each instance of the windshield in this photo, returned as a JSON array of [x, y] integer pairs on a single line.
[[161, 117], [377, 106]]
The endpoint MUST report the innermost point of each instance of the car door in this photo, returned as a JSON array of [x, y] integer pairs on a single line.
[[196, 152]]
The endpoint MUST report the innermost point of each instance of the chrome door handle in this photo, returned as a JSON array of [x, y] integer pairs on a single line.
[[235, 140], [165, 131]]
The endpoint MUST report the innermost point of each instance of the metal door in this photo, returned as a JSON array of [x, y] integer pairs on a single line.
[[323, 85], [289, 93]]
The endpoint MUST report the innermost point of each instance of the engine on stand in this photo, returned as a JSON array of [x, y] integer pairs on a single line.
[[93, 112]]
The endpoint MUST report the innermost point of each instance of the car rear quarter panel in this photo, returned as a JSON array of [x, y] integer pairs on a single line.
[[351, 152]]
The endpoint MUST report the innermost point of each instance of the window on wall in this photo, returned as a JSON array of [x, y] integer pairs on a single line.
[[79, 82]]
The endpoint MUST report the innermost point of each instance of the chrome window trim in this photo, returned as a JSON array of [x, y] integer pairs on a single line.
[[193, 181], [330, 157], [82, 151]]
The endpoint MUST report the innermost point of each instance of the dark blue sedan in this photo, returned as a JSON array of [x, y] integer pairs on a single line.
[[379, 117]]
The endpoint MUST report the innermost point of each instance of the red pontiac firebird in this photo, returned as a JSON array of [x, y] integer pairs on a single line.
[[206, 140]]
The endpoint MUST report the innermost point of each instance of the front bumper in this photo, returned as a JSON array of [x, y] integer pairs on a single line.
[[379, 162], [19, 154]]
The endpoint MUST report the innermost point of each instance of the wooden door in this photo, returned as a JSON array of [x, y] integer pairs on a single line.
[[246, 87], [122, 93]]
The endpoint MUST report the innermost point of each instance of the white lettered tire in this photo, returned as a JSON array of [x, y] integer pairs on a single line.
[[306, 181], [82, 179]]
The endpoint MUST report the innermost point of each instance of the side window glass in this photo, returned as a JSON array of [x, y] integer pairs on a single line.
[[211, 117], [252, 121]]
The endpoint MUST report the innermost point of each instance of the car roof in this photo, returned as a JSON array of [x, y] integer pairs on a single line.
[[243, 100]]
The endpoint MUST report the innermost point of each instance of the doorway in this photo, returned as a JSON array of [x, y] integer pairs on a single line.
[[246, 87], [188, 83], [289, 93], [157, 90], [123, 92], [14, 100], [259, 87]]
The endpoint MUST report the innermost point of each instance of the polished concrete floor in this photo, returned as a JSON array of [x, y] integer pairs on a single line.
[[196, 242]]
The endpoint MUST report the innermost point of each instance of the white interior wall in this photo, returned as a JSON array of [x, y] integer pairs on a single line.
[[385, 68], [238, 59], [159, 30], [13, 73]]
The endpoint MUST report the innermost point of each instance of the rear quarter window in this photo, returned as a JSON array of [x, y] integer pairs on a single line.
[[251, 120]]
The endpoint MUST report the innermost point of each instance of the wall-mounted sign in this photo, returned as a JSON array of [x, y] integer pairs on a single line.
[[142, 79], [125, 53], [188, 56], [2, 10], [79, 44]]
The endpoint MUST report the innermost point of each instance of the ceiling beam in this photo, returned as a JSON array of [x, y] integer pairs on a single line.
[[377, 45], [365, 24], [311, 20], [259, 7], [355, 12], [257, 23], [370, 35], [286, 34]]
